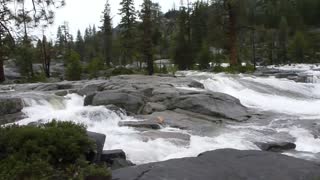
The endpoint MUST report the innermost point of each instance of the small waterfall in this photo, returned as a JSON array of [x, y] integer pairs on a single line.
[[138, 148], [287, 98]]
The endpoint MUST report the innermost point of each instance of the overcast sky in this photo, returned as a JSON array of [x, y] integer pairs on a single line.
[[82, 13]]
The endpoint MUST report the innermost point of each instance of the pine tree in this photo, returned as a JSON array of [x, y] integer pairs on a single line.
[[183, 51], [46, 56], [298, 47], [199, 27], [79, 45], [283, 40], [147, 34], [107, 34], [231, 8], [40, 13], [60, 44], [127, 28]]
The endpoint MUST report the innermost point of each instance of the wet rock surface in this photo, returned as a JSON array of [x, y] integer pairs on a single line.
[[276, 146], [225, 164]]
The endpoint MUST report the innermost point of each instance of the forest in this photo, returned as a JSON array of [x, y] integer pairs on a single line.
[[199, 35]]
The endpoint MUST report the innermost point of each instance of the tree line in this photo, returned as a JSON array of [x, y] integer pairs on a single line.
[[195, 35]]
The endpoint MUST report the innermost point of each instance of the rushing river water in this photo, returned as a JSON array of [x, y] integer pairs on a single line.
[[292, 108]]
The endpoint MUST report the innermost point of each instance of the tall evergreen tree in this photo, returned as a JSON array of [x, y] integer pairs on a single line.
[[283, 40], [147, 34], [41, 11], [46, 56], [107, 34], [127, 28], [183, 52], [79, 45], [60, 44]]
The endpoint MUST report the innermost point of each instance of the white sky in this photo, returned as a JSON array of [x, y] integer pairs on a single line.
[[82, 13]]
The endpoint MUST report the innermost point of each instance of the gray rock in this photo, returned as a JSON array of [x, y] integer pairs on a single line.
[[119, 163], [108, 155], [130, 103], [88, 99], [161, 94], [99, 139], [151, 107], [47, 87], [200, 124], [141, 124], [11, 118], [276, 146], [175, 137], [225, 164], [10, 105], [215, 104], [61, 93], [89, 89], [115, 159], [196, 84]]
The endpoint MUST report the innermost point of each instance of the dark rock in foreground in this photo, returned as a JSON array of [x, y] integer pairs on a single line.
[[99, 140], [226, 164], [115, 159], [276, 146]]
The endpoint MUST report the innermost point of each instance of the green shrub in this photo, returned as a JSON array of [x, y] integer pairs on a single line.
[[74, 68], [234, 69], [172, 69], [218, 69], [121, 70], [95, 65], [38, 77], [51, 151]]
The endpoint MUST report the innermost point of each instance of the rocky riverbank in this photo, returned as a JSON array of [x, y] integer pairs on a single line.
[[225, 164], [160, 103]]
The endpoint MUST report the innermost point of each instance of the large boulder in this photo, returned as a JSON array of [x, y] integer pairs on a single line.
[[89, 89], [99, 140], [10, 105], [213, 104], [115, 159], [151, 107], [129, 102], [225, 164]]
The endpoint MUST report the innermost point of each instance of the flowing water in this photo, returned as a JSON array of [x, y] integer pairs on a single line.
[[294, 110]]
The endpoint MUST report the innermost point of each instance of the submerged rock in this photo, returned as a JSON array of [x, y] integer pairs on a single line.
[[225, 164], [196, 84], [141, 124], [276, 146]]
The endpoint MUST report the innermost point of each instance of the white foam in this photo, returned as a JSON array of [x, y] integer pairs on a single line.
[[101, 120], [267, 94]]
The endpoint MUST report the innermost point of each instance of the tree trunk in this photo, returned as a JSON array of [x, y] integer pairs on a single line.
[[2, 77], [46, 57], [232, 35]]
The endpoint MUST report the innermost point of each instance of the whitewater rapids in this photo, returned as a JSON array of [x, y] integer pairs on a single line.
[[294, 108]]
